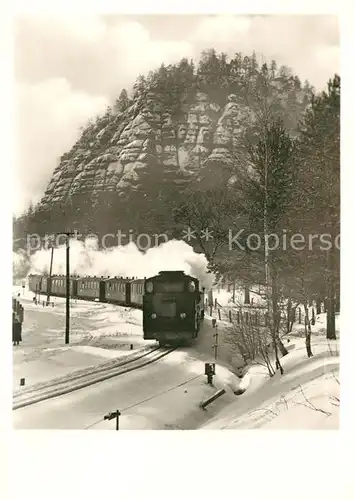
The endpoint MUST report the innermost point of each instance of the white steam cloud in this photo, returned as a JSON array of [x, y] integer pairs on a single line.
[[20, 265], [86, 259]]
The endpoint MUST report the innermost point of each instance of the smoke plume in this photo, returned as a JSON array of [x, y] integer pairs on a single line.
[[86, 259], [20, 265]]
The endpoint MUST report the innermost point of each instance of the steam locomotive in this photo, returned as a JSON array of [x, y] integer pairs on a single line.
[[172, 303], [173, 307]]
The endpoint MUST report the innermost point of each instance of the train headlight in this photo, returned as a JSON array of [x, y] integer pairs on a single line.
[[149, 286], [191, 286], [183, 315], [153, 316]]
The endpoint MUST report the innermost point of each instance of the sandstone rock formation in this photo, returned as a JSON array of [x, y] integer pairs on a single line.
[[112, 155]]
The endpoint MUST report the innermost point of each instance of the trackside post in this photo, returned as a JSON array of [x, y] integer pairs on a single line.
[[209, 372], [216, 336], [114, 414]]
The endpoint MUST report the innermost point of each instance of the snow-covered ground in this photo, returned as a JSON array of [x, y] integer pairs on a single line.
[[98, 332], [225, 298], [306, 396], [167, 394], [43, 356], [163, 395]]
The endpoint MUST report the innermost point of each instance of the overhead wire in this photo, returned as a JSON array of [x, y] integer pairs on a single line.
[[147, 399]]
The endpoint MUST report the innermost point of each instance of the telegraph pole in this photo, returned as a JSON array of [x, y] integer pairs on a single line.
[[216, 337], [67, 318], [49, 284]]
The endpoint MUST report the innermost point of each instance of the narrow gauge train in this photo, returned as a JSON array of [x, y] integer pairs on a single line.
[[172, 303], [122, 291], [173, 307]]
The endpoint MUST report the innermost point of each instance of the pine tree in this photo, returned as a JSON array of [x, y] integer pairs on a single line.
[[318, 195], [122, 103], [213, 71]]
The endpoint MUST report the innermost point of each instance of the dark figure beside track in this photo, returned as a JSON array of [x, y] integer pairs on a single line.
[[16, 330]]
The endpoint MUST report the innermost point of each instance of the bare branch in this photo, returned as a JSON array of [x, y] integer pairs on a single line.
[[265, 410], [335, 401], [335, 378], [310, 405]]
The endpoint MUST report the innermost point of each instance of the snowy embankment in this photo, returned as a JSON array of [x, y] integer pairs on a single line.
[[306, 396]]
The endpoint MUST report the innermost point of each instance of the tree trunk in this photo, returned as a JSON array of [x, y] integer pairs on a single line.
[[308, 345], [331, 317], [177, 144], [288, 317], [281, 346], [247, 295], [337, 300], [275, 322], [331, 320], [307, 331], [318, 305], [233, 292]]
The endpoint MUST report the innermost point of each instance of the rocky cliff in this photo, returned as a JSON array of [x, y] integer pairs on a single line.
[[113, 154], [179, 125]]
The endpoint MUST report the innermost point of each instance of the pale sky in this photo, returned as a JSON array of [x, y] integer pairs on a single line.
[[68, 69]]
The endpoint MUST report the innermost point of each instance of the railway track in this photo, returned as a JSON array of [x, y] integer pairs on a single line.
[[80, 380]]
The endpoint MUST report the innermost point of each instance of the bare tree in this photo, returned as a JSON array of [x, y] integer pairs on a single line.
[[252, 341]]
